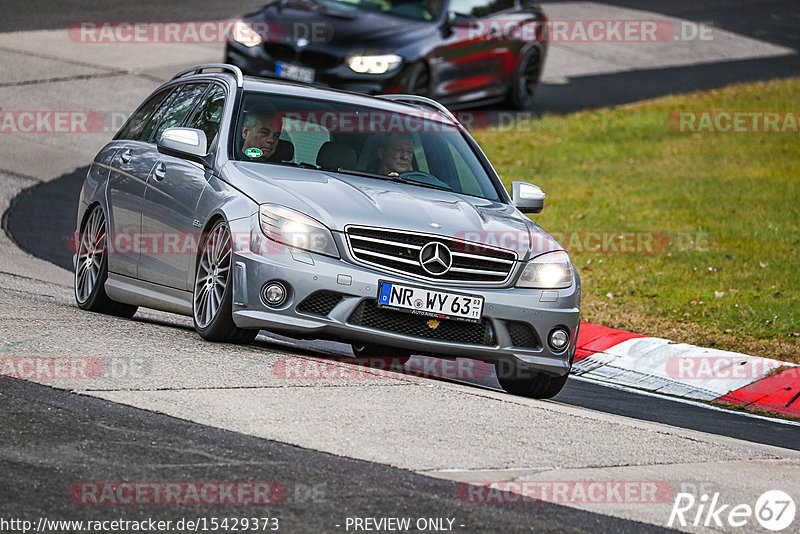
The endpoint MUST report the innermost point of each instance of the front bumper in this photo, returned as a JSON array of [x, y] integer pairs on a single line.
[[305, 274], [255, 61]]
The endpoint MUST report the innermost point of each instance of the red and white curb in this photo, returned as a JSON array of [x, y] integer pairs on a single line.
[[686, 371]]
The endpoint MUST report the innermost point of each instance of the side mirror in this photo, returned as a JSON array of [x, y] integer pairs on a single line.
[[447, 26], [185, 143], [528, 198], [455, 21]]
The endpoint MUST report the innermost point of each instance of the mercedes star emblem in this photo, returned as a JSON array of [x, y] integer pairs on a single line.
[[435, 258]]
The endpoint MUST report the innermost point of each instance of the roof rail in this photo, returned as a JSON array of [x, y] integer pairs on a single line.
[[416, 99], [222, 66]]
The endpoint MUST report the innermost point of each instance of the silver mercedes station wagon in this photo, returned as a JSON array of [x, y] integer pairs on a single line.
[[252, 204]]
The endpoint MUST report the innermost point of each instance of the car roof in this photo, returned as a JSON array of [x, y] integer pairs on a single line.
[[299, 89], [302, 90]]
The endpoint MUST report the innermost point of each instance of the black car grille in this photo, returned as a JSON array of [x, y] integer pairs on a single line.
[[318, 60], [399, 251], [368, 314], [308, 58], [320, 303], [522, 335], [281, 52]]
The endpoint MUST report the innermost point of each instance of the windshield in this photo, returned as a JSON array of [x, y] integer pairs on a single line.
[[410, 9], [420, 148]]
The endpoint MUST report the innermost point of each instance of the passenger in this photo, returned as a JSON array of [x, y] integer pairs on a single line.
[[396, 153], [261, 130]]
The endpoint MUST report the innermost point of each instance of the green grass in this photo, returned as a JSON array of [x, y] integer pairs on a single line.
[[623, 170]]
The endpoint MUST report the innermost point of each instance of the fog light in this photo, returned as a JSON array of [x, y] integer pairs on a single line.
[[559, 339], [273, 294]]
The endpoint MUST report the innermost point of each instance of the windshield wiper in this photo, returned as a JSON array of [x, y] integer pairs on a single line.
[[397, 178]]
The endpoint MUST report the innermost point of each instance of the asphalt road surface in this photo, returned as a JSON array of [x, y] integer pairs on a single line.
[[41, 220], [95, 440]]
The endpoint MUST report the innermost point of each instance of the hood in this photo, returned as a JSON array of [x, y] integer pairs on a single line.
[[338, 200], [343, 29]]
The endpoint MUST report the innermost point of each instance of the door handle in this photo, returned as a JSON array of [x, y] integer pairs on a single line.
[[126, 156], [160, 172]]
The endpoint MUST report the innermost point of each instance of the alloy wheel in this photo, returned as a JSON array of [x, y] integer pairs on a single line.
[[212, 275], [529, 77], [91, 250]]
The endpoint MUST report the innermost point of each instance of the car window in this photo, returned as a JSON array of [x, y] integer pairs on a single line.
[[479, 8], [307, 139], [414, 145], [451, 160], [419, 155], [208, 115], [173, 111], [466, 177], [136, 124], [423, 10]]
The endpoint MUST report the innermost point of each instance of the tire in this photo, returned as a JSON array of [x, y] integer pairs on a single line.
[[91, 269], [418, 80], [392, 355], [526, 79], [520, 379], [212, 298]]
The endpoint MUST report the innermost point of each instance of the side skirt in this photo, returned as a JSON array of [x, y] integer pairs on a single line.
[[148, 295]]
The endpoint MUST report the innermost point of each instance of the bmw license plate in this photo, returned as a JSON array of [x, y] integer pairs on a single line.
[[294, 72], [430, 303]]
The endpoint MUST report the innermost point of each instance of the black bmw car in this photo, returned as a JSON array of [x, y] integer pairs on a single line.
[[455, 51]]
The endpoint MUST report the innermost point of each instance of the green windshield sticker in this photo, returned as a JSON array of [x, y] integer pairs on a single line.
[[253, 153]]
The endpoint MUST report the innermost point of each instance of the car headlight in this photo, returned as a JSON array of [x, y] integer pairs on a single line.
[[549, 271], [373, 64], [246, 34], [296, 230]]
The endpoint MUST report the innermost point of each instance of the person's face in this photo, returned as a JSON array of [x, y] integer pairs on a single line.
[[262, 135], [396, 155]]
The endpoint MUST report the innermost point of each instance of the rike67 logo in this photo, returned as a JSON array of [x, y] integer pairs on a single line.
[[774, 510]]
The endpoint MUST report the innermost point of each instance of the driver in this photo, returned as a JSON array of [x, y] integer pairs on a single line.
[[260, 131], [395, 154]]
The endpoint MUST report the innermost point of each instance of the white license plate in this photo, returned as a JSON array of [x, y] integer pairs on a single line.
[[421, 301], [294, 72]]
